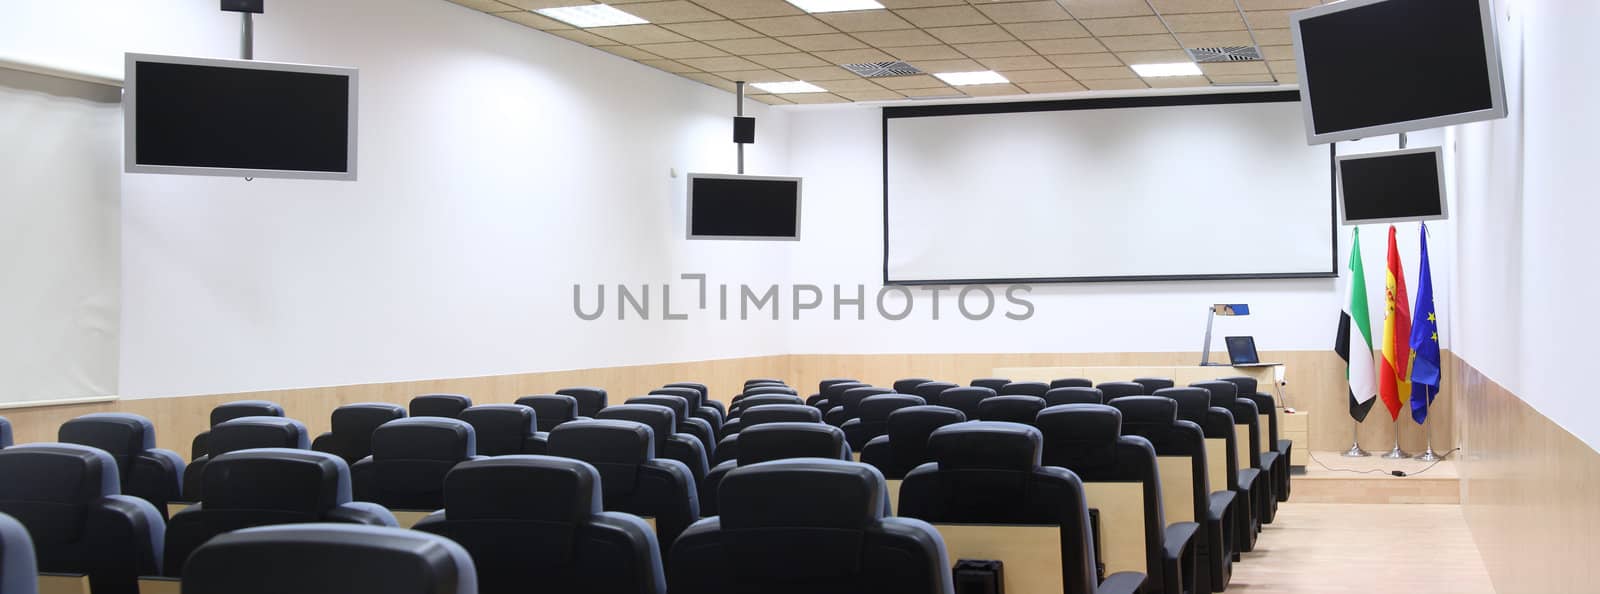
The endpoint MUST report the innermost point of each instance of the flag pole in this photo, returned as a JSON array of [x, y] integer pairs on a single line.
[[1355, 450], [1427, 428], [1396, 453]]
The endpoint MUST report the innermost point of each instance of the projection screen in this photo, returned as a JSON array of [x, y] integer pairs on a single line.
[[1149, 188]]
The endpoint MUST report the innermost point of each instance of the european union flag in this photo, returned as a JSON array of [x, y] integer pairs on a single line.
[[1424, 342]]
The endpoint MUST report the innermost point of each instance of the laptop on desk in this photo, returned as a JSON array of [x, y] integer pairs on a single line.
[[1242, 352]]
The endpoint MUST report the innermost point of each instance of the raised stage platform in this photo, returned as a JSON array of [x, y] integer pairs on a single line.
[[1338, 479]]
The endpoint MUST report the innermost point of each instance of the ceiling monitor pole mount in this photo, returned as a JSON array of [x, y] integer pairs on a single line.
[[744, 129], [247, 10], [1220, 309]]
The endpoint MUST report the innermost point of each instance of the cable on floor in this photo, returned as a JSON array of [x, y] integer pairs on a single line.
[[1396, 473]]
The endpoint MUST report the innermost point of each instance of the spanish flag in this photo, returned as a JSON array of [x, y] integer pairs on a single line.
[[1394, 374]]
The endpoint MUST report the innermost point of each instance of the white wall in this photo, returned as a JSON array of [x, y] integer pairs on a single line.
[[1526, 216], [838, 150], [499, 166]]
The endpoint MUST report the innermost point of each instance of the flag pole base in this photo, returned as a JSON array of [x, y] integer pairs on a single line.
[[1428, 456], [1396, 454], [1355, 451]]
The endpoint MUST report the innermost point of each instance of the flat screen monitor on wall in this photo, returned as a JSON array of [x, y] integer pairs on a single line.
[[1374, 67], [743, 207], [239, 118], [1393, 186]]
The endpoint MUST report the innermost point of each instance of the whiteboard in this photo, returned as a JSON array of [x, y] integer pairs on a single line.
[[1157, 188], [60, 186]]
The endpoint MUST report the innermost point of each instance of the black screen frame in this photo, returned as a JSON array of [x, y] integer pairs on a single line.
[[1275, 96], [688, 223], [1438, 166]]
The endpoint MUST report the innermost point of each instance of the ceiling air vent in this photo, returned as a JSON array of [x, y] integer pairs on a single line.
[[882, 69], [1231, 53]]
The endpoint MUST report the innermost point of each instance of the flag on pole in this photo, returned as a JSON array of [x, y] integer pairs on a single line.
[[1394, 373], [1354, 344], [1424, 341]]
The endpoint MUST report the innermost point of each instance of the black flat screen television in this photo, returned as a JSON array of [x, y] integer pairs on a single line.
[[743, 207], [1393, 186]]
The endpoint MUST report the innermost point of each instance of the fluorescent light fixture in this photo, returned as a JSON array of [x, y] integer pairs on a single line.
[[836, 5], [983, 77], [1167, 69], [591, 15], [792, 86]]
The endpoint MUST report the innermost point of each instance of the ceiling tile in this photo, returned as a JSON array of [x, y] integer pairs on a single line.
[[1035, 76], [1147, 25], [851, 85], [943, 16], [1100, 9], [677, 11], [854, 56], [1215, 38], [1234, 68], [1154, 57], [864, 20], [796, 60], [1274, 37], [749, 9], [668, 65], [1056, 86], [971, 34], [754, 76], [790, 25], [711, 79], [1282, 66], [637, 34], [1101, 73], [831, 41], [899, 4], [629, 52], [939, 91], [721, 64], [1278, 52], [1243, 79], [1024, 12], [877, 95], [1067, 46], [1288, 78], [900, 83], [713, 30], [1205, 21], [1170, 82], [1169, 7], [1046, 30], [1085, 60], [683, 49], [1276, 4], [998, 49], [538, 4], [771, 99], [808, 98], [486, 5], [752, 47], [901, 38], [583, 37], [926, 52], [1135, 43], [1115, 84], [1030, 61], [932, 66], [820, 73], [1268, 19], [992, 90], [537, 21]]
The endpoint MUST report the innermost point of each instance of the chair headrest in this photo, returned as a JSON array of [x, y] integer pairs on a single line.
[[1151, 410], [1024, 389], [906, 385], [363, 417], [749, 402], [877, 408], [5, 433], [1074, 395], [57, 472], [987, 445], [587, 396], [780, 413], [548, 407], [276, 478], [913, 424], [1115, 390], [1151, 384], [604, 441], [246, 433], [501, 428], [120, 434], [834, 391], [704, 390], [760, 389], [1016, 409], [328, 559], [763, 380], [691, 395], [678, 404], [228, 411], [780, 441], [522, 487], [1222, 393], [1071, 382], [439, 405], [424, 438], [1093, 423], [800, 493], [853, 396], [660, 419], [1192, 403], [823, 385], [17, 563], [989, 382], [1246, 384], [968, 396], [930, 391]]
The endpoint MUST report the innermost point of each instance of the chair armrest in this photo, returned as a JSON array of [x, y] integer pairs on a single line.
[[1127, 582], [1220, 502], [1178, 538]]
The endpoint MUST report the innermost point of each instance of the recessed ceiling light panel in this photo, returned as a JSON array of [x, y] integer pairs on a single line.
[[793, 86], [1167, 69], [591, 15], [815, 6], [982, 77]]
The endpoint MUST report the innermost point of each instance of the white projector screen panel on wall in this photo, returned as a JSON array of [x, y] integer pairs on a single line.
[[1149, 188]]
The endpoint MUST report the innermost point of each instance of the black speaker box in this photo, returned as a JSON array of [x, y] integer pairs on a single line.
[[255, 6], [744, 130]]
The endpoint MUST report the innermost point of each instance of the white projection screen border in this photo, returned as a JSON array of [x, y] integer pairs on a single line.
[[1311, 239]]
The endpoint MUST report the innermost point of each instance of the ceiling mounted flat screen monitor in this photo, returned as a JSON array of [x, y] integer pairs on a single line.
[[1375, 67], [1404, 185], [239, 118], [743, 207]]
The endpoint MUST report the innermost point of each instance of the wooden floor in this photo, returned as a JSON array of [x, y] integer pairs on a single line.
[[1339, 548], [1338, 479]]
